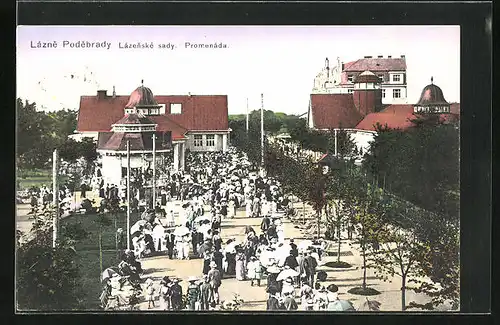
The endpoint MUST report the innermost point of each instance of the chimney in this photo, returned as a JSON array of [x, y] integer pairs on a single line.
[[380, 56], [403, 56], [368, 57], [389, 56], [102, 94], [114, 92]]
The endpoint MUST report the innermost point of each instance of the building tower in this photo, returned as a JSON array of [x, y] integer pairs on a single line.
[[367, 94], [431, 101]]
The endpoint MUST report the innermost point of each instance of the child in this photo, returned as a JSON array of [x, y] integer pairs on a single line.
[[150, 293]]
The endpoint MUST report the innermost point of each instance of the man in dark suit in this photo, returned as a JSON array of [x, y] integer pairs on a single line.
[[310, 265], [170, 238]]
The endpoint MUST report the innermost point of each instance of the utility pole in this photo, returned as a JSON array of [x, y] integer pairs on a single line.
[[262, 133], [128, 194], [154, 170], [247, 117], [55, 198]]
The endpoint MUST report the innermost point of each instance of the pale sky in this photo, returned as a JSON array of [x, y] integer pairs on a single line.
[[280, 62]]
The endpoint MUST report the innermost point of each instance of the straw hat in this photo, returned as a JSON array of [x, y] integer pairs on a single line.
[[213, 264], [192, 279]]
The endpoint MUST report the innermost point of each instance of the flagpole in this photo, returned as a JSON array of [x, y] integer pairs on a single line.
[[262, 133], [154, 171], [128, 194], [335, 142]]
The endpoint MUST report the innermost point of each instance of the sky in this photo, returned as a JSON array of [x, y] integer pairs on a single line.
[[280, 62]]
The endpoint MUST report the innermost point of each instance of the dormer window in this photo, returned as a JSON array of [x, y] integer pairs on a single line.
[[175, 108], [350, 78]]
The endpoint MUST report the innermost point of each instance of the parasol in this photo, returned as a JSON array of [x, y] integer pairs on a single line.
[[273, 269], [304, 245], [137, 225], [204, 228], [158, 231], [108, 273], [370, 305], [341, 305], [202, 218], [332, 288], [287, 273], [181, 231]]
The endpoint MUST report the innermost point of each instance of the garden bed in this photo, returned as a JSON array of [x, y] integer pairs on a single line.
[[363, 291]]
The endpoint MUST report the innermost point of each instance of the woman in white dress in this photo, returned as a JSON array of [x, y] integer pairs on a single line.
[[280, 231], [179, 244], [248, 207]]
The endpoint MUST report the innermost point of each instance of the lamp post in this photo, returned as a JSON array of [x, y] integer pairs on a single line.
[[154, 171]]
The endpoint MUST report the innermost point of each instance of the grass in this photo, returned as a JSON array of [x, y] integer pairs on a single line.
[[88, 253], [337, 264], [363, 291], [36, 177]]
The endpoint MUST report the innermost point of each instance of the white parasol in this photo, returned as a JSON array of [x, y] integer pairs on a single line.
[[181, 231], [287, 273], [158, 231], [137, 225], [304, 245], [231, 247], [204, 228], [108, 273]]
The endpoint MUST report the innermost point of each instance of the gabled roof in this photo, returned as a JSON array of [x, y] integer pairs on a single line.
[[117, 141], [199, 113], [393, 116], [376, 64], [334, 111]]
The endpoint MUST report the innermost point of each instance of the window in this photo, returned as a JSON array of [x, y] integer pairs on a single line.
[[396, 93], [349, 91], [210, 140], [350, 78], [175, 108], [396, 78], [383, 93], [198, 140], [153, 111], [381, 77]]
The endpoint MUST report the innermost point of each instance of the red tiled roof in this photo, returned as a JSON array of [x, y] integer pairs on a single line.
[[393, 116], [376, 64], [334, 111], [138, 141], [199, 112]]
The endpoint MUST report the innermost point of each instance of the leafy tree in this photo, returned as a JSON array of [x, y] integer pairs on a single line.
[[400, 248], [48, 278]]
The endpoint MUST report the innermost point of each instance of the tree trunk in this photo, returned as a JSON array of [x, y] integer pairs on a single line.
[[363, 250], [403, 293], [319, 222], [338, 238], [100, 250]]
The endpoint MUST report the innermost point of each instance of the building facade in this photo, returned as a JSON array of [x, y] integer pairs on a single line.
[[195, 122], [362, 111], [339, 78]]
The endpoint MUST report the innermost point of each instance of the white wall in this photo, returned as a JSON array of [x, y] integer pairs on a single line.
[[79, 136], [362, 139], [217, 139], [388, 99]]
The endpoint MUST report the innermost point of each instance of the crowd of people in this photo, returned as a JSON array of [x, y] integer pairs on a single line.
[[211, 189]]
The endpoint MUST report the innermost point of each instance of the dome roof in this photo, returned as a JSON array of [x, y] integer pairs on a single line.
[[368, 77], [134, 118], [142, 96], [432, 95]]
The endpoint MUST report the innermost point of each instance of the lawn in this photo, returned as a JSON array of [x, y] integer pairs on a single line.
[[88, 253], [36, 177]]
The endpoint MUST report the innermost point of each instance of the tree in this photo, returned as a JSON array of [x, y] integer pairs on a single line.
[[400, 248], [367, 223], [48, 278]]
